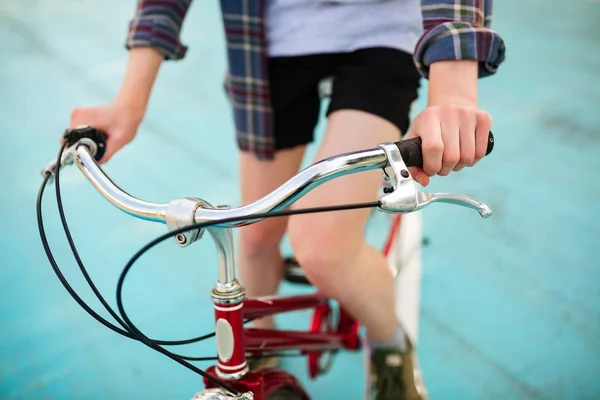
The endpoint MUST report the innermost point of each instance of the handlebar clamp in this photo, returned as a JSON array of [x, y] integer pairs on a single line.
[[181, 213]]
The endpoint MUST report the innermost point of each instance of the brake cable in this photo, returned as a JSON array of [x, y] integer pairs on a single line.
[[128, 329]]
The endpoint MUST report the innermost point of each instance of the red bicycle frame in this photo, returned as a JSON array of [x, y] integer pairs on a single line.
[[234, 341]]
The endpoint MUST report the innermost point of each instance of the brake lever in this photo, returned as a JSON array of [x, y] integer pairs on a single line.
[[404, 197]]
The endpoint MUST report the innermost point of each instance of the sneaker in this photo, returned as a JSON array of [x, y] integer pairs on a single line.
[[395, 375], [261, 362]]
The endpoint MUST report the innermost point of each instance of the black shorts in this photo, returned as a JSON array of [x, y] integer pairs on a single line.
[[380, 81]]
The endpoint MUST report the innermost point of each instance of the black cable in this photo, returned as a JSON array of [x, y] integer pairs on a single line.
[[174, 233], [198, 339], [63, 221], [131, 331], [89, 279], [57, 270], [75, 296], [78, 299], [128, 332], [184, 229], [91, 312]]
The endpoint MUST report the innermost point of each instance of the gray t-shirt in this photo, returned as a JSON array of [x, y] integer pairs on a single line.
[[300, 27]]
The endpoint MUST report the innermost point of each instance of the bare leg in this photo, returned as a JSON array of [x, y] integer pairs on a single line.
[[259, 258], [331, 246]]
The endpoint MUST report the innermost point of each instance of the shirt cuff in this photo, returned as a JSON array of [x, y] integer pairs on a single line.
[[459, 40], [159, 32]]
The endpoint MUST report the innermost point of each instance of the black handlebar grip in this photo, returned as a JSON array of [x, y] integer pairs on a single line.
[[410, 149], [71, 137]]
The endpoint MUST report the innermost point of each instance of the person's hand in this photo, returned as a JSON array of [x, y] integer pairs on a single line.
[[119, 122], [453, 137]]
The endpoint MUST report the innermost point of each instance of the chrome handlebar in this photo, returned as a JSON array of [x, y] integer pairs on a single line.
[[400, 196], [285, 195], [84, 159]]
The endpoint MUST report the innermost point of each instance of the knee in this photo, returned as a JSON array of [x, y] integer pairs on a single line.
[[322, 249], [260, 238]]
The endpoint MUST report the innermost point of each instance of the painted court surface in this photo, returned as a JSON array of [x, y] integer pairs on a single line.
[[510, 305]]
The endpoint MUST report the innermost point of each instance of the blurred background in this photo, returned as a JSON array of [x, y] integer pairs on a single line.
[[510, 306]]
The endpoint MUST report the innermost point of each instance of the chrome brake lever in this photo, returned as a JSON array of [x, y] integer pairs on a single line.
[[404, 196]]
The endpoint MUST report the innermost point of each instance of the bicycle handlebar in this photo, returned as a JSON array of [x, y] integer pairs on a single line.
[[87, 145], [280, 198], [139, 208]]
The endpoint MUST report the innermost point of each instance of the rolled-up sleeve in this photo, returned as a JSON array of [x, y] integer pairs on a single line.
[[459, 30], [157, 24]]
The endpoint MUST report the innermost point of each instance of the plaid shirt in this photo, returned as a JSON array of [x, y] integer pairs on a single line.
[[453, 30]]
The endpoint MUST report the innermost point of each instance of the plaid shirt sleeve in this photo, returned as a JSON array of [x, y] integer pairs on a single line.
[[459, 30], [157, 23]]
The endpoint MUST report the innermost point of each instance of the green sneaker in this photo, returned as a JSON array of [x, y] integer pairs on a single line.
[[395, 375]]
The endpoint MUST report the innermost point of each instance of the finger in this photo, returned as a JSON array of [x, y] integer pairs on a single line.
[[88, 116], [432, 145], [467, 140], [418, 175], [112, 145], [78, 116], [451, 137], [482, 131]]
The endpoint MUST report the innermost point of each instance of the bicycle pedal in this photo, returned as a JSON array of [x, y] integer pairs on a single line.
[[293, 272]]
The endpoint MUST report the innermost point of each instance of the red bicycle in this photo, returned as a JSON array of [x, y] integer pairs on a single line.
[[331, 329]]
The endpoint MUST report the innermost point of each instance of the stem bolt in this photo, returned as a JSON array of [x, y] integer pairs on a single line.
[[180, 238]]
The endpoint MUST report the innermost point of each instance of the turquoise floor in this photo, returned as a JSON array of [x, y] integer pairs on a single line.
[[510, 305]]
